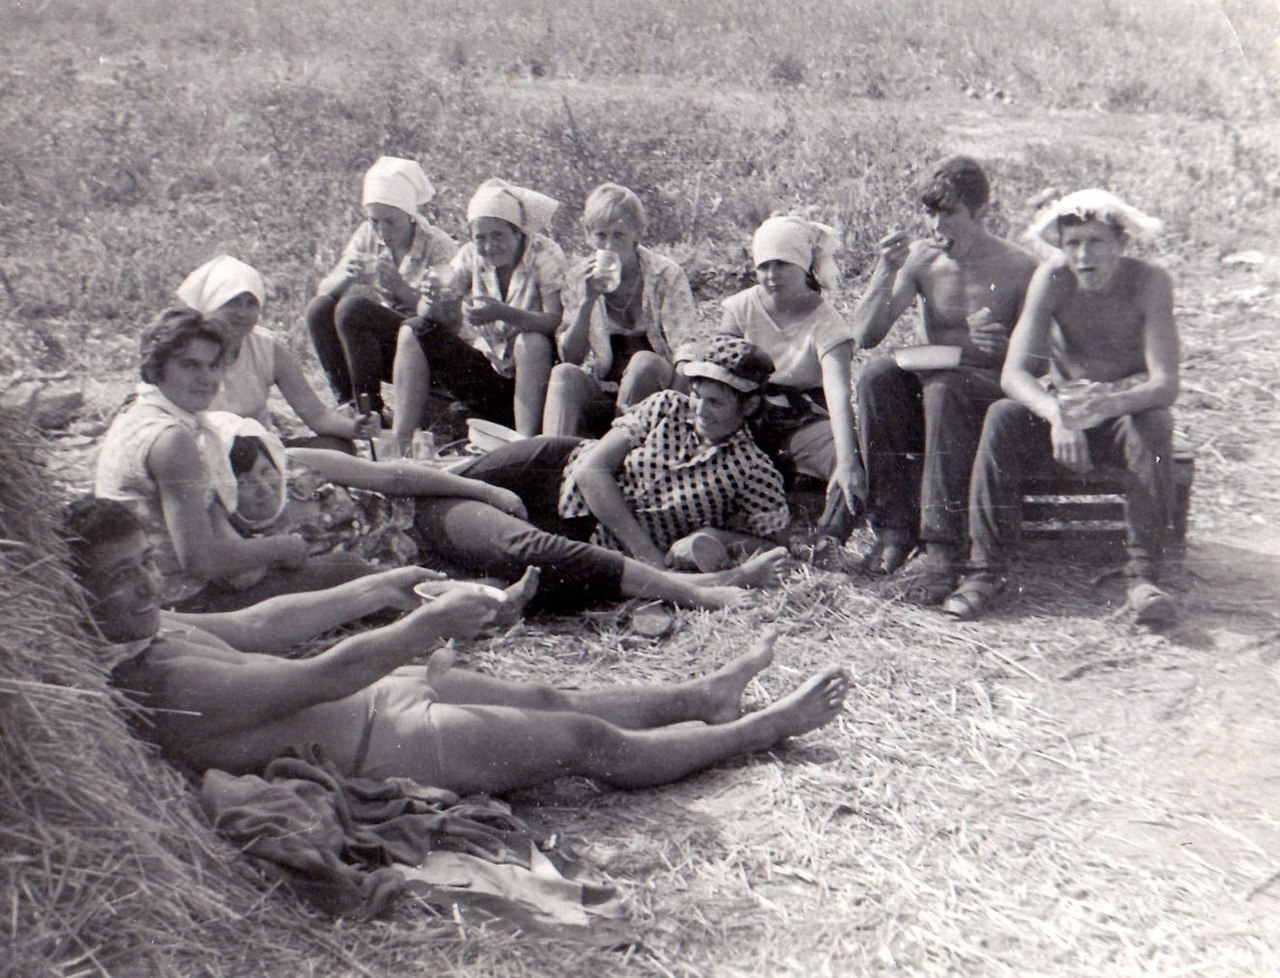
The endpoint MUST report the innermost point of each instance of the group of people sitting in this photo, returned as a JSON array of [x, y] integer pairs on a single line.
[[648, 465]]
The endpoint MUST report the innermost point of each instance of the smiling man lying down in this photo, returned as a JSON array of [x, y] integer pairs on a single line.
[[221, 699]]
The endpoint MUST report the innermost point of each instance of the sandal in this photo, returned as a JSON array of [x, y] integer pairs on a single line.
[[973, 597], [1150, 605]]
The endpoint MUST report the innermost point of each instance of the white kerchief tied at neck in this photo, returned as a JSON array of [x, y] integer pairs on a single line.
[[1093, 205], [396, 182], [801, 242], [230, 426], [217, 282], [527, 209], [216, 464]]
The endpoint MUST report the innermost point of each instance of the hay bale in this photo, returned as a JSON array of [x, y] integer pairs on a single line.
[[109, 867]]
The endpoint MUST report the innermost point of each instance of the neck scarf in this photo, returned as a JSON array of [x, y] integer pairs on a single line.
[[216, 465]]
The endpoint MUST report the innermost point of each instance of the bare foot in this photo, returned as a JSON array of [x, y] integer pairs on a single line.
[[722, 690], [812, 704], [519, 594], [717, 596], [762, 570]]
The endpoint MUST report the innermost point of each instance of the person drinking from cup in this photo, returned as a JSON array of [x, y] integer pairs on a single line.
[[488, 338], [628, 307], [378, 281], [918, 429], [1092, 314]]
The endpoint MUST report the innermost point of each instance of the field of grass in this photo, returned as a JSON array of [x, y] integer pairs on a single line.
[[1048, 793]]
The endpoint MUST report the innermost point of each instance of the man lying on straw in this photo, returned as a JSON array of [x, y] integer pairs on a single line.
[[219, 699]]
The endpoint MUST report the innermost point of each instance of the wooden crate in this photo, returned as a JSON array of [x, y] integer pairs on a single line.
[[1090, 507]]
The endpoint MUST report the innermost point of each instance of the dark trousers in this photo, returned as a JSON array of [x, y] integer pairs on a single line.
[[533, 468], [918, 433], [466, 372], [355, 340], [1015, 443], [482, 540]]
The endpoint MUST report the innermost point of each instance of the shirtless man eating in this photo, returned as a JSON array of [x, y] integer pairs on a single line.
[[215, 695], [918, 430]]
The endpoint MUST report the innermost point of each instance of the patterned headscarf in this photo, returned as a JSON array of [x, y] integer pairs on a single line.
[[801, 242]]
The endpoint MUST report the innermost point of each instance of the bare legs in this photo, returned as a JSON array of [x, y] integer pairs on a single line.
[[534, 355], [411, 376], [717, 589], [506, 736]]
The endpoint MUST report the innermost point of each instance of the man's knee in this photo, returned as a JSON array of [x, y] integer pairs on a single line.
[[1147, 435], [319, 314], [351, 312]]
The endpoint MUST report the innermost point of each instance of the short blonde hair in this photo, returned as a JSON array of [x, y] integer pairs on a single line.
[[611, 202]]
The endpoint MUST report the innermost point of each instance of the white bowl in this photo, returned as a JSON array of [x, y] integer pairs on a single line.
[[430, 590], [929, 357], [488, 435]]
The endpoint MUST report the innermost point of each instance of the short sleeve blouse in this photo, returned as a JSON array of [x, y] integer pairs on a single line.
[[796, 350]]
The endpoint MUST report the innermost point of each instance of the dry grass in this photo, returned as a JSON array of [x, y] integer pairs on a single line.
[[1050, 792]]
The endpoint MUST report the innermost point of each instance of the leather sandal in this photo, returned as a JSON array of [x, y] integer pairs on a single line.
[[973, 597], [1150, 605]]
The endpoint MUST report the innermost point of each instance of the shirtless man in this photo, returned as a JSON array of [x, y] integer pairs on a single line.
[[1092, 314], [221, 699], [920, 429]]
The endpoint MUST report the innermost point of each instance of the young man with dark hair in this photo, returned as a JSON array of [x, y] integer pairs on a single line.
[[218, 698], [918, 430]]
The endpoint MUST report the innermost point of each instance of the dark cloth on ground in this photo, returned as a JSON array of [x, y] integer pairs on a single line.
[[349, 845]]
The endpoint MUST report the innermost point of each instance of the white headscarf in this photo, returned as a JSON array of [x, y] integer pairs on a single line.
[[527, 209], [396, 182], [801, 242], [1093, 205], [228, 427], [217, 282]]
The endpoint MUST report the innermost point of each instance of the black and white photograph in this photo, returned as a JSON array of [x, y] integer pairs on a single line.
[[668, 489]]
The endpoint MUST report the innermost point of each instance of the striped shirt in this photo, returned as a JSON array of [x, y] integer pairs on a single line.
[[675, 483]]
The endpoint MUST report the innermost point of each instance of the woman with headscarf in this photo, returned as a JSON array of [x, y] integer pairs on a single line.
[[472, 527], [494, 349], [378, 281], [808, 419], [161, 457], [230, 292]]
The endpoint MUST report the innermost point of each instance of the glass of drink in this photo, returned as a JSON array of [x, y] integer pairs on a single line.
[[1074, 397], [607, 270]]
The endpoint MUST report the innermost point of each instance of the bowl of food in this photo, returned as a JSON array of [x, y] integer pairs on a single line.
[[430, 590], [928, 357], [485, 436]]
